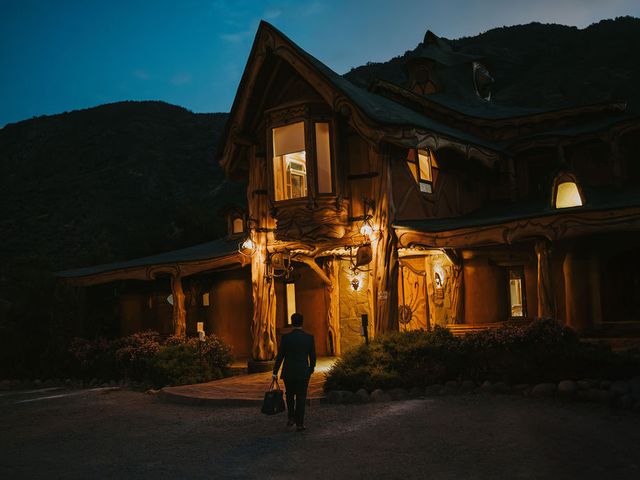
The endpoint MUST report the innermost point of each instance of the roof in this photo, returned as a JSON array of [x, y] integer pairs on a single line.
[[496, 214], [216, 249]]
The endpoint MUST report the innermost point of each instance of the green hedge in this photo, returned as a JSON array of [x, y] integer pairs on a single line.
[[146, 357], [539, 352]]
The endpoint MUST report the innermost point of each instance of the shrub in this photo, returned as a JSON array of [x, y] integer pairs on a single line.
[[542, 351]]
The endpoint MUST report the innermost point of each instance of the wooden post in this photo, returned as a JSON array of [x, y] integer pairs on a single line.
[[546, 304], [332, 269], [384, 246], [263, 325], [179, 316]]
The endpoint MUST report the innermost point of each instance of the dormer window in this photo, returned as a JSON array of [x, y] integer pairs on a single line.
[[566, 191], [423, 167], [295, 165], [237, 226]]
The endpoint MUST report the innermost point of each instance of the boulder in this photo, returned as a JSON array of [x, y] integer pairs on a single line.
[[433, 390], [500, 387], [416, 392], [544, 390], [583, 384], [380, 396], [334, 397], [604, 385], [363, 395], [467, 386], [626, 401], [567, 388], [520, 388], [346, 396], [447, 390], [452, 384], [634, 386], [485, 386], [620, 388], [399, 394]]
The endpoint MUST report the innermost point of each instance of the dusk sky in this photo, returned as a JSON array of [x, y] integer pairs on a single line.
[[63, 55]]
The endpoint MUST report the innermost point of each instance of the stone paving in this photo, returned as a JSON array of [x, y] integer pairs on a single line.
[[243, 390]]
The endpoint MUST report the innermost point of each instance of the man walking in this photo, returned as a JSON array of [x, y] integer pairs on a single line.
[[298, 351]]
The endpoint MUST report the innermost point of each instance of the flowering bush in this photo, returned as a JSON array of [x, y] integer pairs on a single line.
[[145, 356], [541, 351]]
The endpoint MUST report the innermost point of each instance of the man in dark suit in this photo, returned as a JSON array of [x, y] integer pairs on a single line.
[[298, 351]]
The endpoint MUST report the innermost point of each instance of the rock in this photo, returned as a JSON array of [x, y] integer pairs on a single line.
[[398, 394], [567, 388], [152, 391], [583, 396], [334, 397], [452, 384], [520, 388], [619, 388], [5, 384], [68, 382], [467, 386], [605, 385], [583, 384], [605, 397], [500, 387], [485, 386], [363, 395], [37, 382], [634, 386], [380, 396], [113, 383], [416, 392], [446, 390], [433, 390], [544, 390], [626, 401]]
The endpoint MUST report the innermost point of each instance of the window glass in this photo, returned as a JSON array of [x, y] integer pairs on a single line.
[[289, 162], [205, 299], [291, 301], [568, 195], [425, 165], [516, 293], [238, 226], [323, 158]]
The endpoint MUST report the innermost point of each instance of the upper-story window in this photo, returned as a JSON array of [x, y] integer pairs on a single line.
[[424, 169], [292, 158], [566, 191]]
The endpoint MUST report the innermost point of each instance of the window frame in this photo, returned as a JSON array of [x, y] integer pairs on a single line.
[[309, 116], [519, 271], [419, 181], [566, 177]]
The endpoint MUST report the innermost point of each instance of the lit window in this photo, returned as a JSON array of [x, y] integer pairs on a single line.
[[289, 162], [422, 165], [323, 158], [567, 195], [291, 301], [237, 226], [516, 293], [205, 299]]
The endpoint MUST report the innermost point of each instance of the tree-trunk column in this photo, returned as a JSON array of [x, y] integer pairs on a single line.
[[179, 317], [384, 247], [332, 269], [263, 325], [546, 304]]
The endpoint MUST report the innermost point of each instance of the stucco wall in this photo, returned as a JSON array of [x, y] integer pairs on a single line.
[[352, 305]]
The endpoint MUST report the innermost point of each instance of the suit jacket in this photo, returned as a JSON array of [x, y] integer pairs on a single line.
[[298, 351]]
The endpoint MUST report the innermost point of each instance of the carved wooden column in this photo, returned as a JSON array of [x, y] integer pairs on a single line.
[[546, 303], [384, 246], [263, 325], [457, 292], [179, 316], [332, 269]]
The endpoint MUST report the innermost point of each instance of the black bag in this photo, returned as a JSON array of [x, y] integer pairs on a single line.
[[273, 400]]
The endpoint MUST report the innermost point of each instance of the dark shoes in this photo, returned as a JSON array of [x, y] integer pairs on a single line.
[[300, 428], [291, 422]]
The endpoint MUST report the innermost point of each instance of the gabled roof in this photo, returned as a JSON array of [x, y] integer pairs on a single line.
[[185, 261], [377, 118]]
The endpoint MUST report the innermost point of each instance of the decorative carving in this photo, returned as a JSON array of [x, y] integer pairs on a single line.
[[179, 315], [325, 219], [546, 304], [332, 270]]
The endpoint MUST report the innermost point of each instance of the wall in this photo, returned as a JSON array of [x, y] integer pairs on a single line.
[[485, 293], [352, 305]]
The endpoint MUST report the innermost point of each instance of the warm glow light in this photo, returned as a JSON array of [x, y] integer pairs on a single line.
[[568, 195], [438, 274], [200, 327], [366, 230], [356, 282], [248, 244]]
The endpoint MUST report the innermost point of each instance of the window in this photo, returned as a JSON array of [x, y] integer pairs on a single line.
[[423, 167], [517, 293], [290, 294], [566, 191], [289, 162], [237, 225], [323, 158], [205, 299]]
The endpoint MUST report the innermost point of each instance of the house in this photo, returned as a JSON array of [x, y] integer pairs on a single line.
[[401, 207]]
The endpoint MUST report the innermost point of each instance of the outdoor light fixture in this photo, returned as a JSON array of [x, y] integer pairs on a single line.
[[247, 247], [366, 229], [355, 283]]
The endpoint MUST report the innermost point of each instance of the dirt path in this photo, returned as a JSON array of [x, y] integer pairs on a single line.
[[119, 434]]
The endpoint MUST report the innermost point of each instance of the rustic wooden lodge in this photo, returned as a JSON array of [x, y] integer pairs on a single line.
[[417, 205]]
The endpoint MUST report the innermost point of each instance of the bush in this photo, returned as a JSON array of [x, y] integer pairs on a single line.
[[540, 352], [145, 357]]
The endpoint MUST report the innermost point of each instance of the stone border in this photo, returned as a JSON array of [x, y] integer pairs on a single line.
[[619, 393]]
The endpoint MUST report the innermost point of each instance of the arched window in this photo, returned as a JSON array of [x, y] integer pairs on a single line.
[[566, 191], [238, 225]]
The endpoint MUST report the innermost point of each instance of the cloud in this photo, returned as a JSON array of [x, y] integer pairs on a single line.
[[180, 78], [141, 74], [272, 13], [235, 37]]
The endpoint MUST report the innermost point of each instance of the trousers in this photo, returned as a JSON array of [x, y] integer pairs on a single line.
[[296, 393]]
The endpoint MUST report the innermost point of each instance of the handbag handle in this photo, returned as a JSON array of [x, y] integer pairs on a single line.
[[275, 380]]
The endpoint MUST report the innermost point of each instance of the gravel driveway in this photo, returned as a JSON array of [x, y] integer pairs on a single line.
[[122, 434]]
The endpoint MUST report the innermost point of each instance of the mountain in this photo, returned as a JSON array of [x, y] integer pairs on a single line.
[[112, 182], [546, 66]]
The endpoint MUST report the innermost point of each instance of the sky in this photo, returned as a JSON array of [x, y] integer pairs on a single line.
[[62, 55]]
